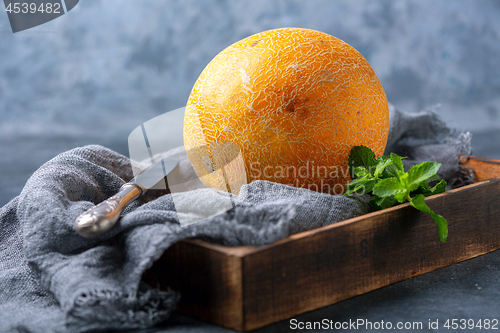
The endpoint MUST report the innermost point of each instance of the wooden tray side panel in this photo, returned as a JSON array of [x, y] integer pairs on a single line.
[[210, 282], [389, 246]]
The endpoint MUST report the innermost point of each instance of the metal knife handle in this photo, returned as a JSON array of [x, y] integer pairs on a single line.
[[99, 219]]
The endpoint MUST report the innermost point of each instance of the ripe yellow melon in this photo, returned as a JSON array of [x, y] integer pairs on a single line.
[[294, 102]]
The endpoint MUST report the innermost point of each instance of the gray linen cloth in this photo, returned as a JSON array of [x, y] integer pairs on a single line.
[[52, 280]]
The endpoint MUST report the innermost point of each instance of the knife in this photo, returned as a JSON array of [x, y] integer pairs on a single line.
[[99, 219]]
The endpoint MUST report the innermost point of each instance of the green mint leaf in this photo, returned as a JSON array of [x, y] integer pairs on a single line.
[[360, 186], [401, 196], [395, 169], [382, 163], [439, 187], [361, 156], [427, 190], [383, 203], [396, 159], [387, 187], [421, 172], [441, 223], [390, 171], [360, 172], [389, 184], [433, 179], [403, 178], [424, 189]]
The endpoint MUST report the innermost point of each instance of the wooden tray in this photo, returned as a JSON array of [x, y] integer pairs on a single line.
[[247, 287]]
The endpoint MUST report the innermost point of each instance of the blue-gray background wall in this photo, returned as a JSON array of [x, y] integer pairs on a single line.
[[97, 72]]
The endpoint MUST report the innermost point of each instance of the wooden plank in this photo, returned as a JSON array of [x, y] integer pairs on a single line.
[[248, 287]]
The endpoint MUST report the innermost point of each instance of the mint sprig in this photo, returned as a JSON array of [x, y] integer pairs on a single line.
[[385, 179]]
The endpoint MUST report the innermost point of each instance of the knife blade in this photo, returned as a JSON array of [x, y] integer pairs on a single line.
[[102, 217]]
